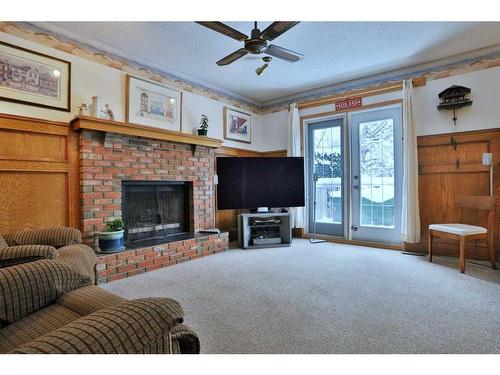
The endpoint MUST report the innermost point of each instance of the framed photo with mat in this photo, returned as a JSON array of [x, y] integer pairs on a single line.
[[150, 104], [237, 125], [30, 77]]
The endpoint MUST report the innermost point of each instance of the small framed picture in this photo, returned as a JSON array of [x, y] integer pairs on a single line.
[[237, 125], [150, 104], [30, 77]]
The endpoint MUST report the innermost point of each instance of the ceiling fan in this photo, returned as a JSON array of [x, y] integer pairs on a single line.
[[257, 43]]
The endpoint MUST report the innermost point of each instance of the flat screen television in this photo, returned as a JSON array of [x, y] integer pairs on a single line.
[[252, 182]]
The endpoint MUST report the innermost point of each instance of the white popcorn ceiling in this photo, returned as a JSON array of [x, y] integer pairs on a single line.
[[333, 51]]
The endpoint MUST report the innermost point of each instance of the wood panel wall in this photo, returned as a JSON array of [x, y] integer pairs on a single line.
[[451, 164], [227, 220], [39, 177]]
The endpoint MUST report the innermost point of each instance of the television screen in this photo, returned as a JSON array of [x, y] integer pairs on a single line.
[[273, 182]]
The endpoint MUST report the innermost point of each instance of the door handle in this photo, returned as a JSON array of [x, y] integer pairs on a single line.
[[355, 187]]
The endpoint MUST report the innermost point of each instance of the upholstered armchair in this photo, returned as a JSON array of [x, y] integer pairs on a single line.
[[47, 307], [61, 243], [48, 303]]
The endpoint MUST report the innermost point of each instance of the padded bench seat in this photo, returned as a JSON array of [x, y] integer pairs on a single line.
[[458, 229]]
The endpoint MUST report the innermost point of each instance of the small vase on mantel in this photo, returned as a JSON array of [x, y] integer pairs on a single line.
[[97, 107]]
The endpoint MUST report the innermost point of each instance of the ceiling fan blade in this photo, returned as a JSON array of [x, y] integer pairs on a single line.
[[224, 29], [277, 28], [232, 57], [283, 53]]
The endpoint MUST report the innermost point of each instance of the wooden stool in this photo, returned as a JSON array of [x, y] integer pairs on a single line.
[[465, 232]]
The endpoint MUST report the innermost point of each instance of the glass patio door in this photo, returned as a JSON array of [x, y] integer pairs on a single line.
[[325, 177], [376, 175]]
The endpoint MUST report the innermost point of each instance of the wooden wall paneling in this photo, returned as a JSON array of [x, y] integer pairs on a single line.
[[74, 179], [451, 164], [32, 199], [39, 180]]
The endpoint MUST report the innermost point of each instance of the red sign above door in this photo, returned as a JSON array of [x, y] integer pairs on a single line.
[[350, 103]]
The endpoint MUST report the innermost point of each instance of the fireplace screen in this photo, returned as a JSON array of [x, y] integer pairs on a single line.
[[154, 209]]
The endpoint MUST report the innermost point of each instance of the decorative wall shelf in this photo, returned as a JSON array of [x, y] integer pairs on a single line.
[[91, 123]]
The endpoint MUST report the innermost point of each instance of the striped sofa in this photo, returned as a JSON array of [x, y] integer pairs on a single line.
[[49, 303]]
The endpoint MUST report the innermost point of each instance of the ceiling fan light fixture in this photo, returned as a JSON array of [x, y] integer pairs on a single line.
[[260, 70]]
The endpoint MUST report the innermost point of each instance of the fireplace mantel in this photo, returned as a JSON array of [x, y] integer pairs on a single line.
[[91, 123]]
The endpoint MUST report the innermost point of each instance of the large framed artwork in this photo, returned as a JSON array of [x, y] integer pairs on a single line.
[[237, 125], [30, 77], [150, 104]]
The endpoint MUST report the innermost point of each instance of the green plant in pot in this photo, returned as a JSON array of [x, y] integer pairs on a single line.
[[111, 238], [203, 129]]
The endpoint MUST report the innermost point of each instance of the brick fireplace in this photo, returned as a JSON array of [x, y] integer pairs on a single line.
[[107, 159], [111, 162]]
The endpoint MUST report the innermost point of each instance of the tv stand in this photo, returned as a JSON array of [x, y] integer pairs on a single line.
[[264, 230]]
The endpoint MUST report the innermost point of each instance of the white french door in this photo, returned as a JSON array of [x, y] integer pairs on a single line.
[[326, 176], [376, 174]]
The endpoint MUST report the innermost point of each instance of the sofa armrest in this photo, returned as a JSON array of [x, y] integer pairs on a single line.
[[81, 257], [184, 340], [131, 327], [10, 256], [53, 236]]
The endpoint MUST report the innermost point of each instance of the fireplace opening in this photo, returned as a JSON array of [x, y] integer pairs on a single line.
[[155, 209]]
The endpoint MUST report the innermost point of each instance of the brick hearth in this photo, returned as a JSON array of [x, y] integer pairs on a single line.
[[108, 158], [133, 262]]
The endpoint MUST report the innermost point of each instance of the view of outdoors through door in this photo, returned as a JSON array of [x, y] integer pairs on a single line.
[[326, 167], [376, 163], [374, 197], [376, 174]]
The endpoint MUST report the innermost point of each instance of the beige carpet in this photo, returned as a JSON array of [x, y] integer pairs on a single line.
[[330, 298]]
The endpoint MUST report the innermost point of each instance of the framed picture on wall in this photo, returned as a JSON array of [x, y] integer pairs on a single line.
[[237, 125], [30, 77], [150, 104]]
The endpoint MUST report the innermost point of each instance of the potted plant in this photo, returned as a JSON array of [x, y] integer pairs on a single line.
[[203, 130], [111, 238]]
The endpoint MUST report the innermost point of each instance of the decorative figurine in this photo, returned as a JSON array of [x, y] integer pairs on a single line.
[[83, 110], [108, 113]]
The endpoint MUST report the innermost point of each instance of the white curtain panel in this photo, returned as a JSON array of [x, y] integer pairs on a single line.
[[293, 149], [410, 220]]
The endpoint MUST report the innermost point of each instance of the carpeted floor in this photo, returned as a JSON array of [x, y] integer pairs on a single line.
[[330, 298]]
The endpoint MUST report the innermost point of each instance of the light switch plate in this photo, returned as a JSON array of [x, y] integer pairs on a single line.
[[487, 158]]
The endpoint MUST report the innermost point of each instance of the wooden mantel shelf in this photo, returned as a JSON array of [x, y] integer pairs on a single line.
[[91, 123]]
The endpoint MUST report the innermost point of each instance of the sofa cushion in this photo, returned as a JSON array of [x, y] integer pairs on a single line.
[[88, 299], [53, 236], [10, 256], [29, 287], [35, 325]]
